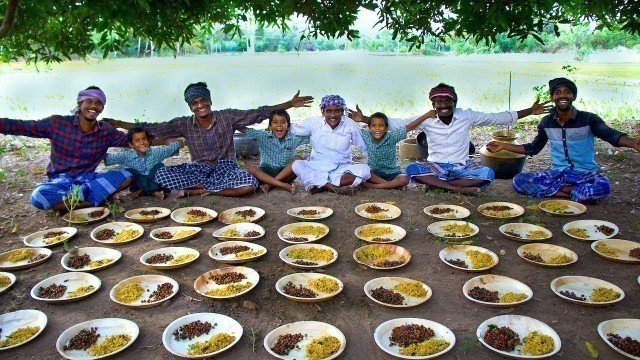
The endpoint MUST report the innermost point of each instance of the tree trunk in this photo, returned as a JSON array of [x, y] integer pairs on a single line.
[[9, 18], [139, 40]]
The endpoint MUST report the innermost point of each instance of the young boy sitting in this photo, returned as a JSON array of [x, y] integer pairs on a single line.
[[277, 152], [143, 161]]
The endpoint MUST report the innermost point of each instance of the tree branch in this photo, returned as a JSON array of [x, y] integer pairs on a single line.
[[9, 18]]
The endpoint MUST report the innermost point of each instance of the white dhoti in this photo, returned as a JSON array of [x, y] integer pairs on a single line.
[[319, 173]]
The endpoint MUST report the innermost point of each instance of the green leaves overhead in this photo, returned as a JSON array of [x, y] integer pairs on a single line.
[[51, 30]]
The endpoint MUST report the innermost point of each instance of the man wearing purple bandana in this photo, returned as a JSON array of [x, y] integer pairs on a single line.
[[330, 166], [78, 144]]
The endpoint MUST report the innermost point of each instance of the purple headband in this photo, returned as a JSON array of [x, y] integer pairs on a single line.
[[90, 94], [329, 100]]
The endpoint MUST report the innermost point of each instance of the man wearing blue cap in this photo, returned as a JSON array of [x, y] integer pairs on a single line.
[[571, 133]]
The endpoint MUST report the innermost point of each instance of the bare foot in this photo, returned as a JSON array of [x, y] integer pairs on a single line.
[[180, 194], [134, 195], [315, 190], [265, 188], [343, 190], [293, 189], [114, 198], [471, 191], [159, 194]]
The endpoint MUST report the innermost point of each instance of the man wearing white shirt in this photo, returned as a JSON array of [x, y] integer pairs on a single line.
[[330, 166], [448, 166]]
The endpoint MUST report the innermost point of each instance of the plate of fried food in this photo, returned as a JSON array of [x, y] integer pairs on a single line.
[[496, 291], [240, 231], [547, 255], [309, 287], [117, 233], [20, 327], [305, 340], [174, 234], [23, 258], [468, 258], [587, 291], [562, 207], [144, 291], [310, 213], [447, 212], [501, 210], [97, 339], [169, 258], [302, 232], [193, 215], [90, 259], [380, 233], [148, 214], [241, 214], [414, 338], [86, 215], [66, 287], [397, 292], [623, 251], [453, 229], [50, 237], [226, 282], [623, 335], [6, 281], [518, 337], [378, 211], [524, 232], [308, 256], [236, 252], [590, 230], [201, 335], [382, 256]]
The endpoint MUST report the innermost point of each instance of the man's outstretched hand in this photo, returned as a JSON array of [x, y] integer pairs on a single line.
[[301, 101]]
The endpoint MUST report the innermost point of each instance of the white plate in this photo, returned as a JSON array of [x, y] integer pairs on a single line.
[[216, 255], [179, 215], [149, 283], [522, 325], [501, 284], [398, 253], [514, 212], [241, 228], [583, 285], [23, 264], [12, 280], [285, 232], [391, 211], [435, 229], [383, 332], [590, 227], [322, 213], [84, 214], [96, 254], [397, 234], [546, 252], [312, 329], [204, 283], [174, 230], [390, 283], [175, 252], [454, 252], [284, 256], [135, 214], [573, 208], [621, 249], [105, 328], [117, 227], [73, 281], [225, 324], [12, 321], [230, 216], [458, 212], [302, 279], [37, 239], [623, 328], [522, 230]]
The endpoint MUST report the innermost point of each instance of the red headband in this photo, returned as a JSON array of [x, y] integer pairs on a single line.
[[442, 92]]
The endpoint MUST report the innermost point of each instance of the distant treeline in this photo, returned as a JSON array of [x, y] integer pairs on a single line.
[[582, 40]]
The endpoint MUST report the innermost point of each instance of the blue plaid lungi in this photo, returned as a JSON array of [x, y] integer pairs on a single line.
[[225, 175], [449, 172], [587, 185], [95, 188]]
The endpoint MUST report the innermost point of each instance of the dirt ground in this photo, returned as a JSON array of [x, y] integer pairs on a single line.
[[263, 309]]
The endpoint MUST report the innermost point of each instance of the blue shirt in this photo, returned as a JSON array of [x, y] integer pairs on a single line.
[[142, 163], [276, 154], [381, 156]]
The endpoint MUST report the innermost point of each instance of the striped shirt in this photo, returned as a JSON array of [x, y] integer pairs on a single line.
[[73, 152], [142, 163], [214, 143], [276, 154], [382, 156]]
